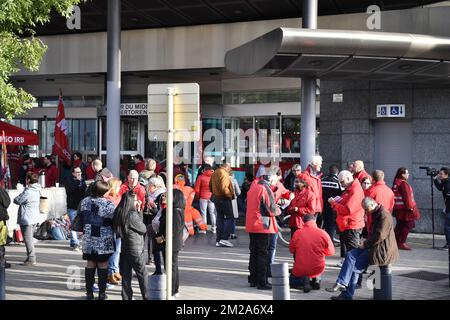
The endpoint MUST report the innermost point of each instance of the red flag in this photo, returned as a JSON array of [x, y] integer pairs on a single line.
[[61, 145]]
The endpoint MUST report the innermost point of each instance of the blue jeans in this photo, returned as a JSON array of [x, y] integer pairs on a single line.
[[356, 261], [272, 247], [225, 218], [447, 228], [113, 262], [2, 282], [73, 235]]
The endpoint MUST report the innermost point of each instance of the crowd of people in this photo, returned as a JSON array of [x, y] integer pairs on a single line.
[[120, 225]]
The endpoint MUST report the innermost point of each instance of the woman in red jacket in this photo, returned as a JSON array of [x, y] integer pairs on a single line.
[[405, 208], [303, 203]]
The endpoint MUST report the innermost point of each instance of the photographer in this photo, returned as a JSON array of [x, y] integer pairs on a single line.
[[442, 183]]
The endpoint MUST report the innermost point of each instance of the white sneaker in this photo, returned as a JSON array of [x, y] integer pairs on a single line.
[[202, 231], [226, 243], [213, 230], [218, 244]]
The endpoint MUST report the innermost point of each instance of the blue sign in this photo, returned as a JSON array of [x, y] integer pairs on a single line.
[[383, 111], [395, 110]]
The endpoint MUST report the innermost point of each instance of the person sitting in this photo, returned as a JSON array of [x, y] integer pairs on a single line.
[[309, 246], [380, 249]]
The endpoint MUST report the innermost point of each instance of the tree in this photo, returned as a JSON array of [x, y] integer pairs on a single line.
[[20, 49]]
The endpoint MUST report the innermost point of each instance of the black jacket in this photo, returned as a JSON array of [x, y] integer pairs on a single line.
[[289, 182], [133, 234], [331, 188], [76, 191], [177, 229], [5, 201], [444, 186]]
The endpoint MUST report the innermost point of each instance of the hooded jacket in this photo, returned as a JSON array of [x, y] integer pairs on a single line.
[[202, 185], [28, 202]]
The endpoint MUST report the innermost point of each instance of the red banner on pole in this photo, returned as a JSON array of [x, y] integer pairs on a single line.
[[61, 145]]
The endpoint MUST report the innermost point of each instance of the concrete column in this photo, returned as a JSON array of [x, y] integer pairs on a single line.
[[113, 87], [308, 100]]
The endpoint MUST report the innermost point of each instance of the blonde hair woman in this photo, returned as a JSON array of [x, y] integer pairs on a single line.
[[113, 195]]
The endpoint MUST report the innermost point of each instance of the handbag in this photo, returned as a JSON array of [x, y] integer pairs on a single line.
[[43, 205], [77, 224], [18, 237]]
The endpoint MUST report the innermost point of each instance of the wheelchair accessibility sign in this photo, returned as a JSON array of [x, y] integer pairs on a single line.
[[390, 111]]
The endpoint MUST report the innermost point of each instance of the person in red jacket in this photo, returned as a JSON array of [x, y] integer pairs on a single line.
[[381, 193], [312, 176], [260, 224], [133, 185], [350, 214], [303, 203], [359, 172], [51, 172], [191, 215], [309, 246], [405, 208], [139, 163], [204, 194]]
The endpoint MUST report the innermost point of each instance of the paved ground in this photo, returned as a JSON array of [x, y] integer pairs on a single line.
[[210, 273]]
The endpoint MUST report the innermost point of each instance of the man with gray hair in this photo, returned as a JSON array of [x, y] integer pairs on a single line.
[[350, 214], [358, 171], [312, 176], [379, 249]]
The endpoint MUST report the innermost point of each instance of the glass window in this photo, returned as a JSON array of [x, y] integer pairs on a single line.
[[268, 139], [272, 96], [291, 135], [129, 134]]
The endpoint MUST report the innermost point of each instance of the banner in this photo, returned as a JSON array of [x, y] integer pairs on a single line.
[[61, 145]]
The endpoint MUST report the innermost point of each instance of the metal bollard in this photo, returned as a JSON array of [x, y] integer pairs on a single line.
[[385, 286], [280, 281], [157, 287]]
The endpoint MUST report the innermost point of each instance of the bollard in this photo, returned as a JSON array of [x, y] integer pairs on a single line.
[[384, 291], [157, 287], [280, 281]]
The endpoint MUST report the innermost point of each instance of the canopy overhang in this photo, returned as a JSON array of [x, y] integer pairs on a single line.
[[15, 136], [343, 55]]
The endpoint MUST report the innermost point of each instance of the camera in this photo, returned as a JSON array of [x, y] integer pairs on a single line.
[[430, 171]]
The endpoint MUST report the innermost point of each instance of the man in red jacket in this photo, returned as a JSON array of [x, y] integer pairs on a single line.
[[51, 172], [260, 224], [312, 176], [359, 173], [381, 193], [133, 185], [350, 214], [309, 246]]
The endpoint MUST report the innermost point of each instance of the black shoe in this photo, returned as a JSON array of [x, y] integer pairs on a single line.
[[264, 287], [252, 284], [307, 288], [7, 265], [102, 296], [89, 296], [339, 297], [315, 284], [337, 287], [233, 236], [296, 287]]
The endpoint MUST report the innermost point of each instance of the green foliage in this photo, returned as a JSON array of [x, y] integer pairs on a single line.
[[17, 19]]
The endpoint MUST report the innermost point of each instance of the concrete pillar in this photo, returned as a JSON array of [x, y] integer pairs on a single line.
[[308, 100], [113, 87]]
